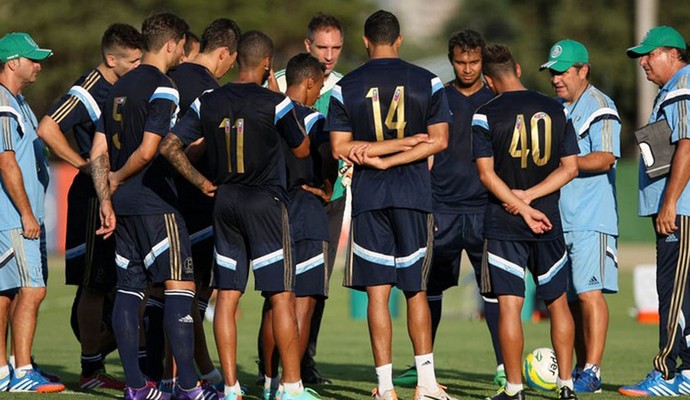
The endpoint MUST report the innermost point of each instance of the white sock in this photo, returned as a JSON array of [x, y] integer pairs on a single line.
[[500, 367], [12, 362], [233, 389], [426, 377], [21, 371], [513, 388], [560, 383], [384, 374], [270, 382], [4, 371], [595, 368], [294, 388], [214, 376]]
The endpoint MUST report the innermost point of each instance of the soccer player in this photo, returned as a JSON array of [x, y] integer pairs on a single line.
[[663, 54], [308, 219], [391, 194], [90, 259], [192, 46], [216, 57], [525, 142], [325, 42], [588, 206], [151, 240], [242, 124], [23, 180], [459, 198]]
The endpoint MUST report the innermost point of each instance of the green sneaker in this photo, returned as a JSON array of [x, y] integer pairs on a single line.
[[500, 378], [408, 378], [307, 394]]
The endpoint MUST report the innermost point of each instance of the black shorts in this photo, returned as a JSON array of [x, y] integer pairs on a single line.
[[389, 246], [89, 259], [311, 270], [200, 228], [152, 248], [454, 233], [251, 229], [504, 263]]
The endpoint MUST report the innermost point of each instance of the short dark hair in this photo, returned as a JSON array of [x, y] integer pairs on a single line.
[[497, 61], [382, 27], [253, 47], [159, 28], [222, 32], [121, 36], [322, 21], [579, 66], [683, 54], [189, 39], [466, 40], [301, 67]]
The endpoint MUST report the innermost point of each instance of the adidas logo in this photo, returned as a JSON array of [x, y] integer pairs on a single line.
[[593, 281], [427, 362], [671, 238], [187, 319]]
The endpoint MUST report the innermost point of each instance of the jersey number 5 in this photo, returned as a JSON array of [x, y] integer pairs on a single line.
[[520, 139], [238, 129], [396, 109]]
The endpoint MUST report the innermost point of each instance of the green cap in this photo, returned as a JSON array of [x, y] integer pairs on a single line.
[[659, 36], [564, 54], [20, 44]]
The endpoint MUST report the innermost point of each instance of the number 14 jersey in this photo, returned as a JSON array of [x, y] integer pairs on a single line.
[[526, 133], [385, 99]]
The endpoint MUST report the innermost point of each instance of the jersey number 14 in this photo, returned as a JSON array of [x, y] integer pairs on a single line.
[[521, 146], [395, 110]]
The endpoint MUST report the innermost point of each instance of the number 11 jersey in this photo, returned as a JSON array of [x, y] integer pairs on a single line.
[[385, 99], [527, 133]]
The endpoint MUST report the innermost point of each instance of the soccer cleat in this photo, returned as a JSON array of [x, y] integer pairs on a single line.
[[408, 378], [422, 393], [100, 380], [148, 392], [272, 393], [576, 373], [566, 393], [587, 382], [5, 382], [387, 395], [312, 376], [682, 384], [33, 381], [307, 394], [197, 393], [48, 375], [502, 395], [500, 379], [653, 385]]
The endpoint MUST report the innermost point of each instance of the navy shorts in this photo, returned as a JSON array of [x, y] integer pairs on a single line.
[[152, 248], [200, 227], [454, 233], [310, 268], [89, 259], [504, 262], [390, 246], [251, 229]]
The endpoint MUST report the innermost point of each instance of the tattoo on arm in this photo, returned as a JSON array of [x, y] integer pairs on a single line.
[[171, 148], [100, 167]]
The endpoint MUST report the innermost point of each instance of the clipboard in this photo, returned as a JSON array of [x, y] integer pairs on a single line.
[[654, 141]]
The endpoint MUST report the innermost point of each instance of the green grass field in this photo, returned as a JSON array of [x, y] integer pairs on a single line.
[[464, 359]]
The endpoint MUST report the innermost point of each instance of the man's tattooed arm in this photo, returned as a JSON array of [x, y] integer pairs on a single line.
[[171, 149]]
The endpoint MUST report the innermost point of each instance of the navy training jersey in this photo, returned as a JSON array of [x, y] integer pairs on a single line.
[[306, 171], [143, 100], [527, 133], [80, 108], [387, 99], [455, 181], [192, 80], [242, 124]]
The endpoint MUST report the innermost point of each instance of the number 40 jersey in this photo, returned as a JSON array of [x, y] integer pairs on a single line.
[[527, 133], [386, 99]]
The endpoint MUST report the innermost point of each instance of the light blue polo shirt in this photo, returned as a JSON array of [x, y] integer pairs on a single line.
[[18, 134], [588, 202], [672, 104]]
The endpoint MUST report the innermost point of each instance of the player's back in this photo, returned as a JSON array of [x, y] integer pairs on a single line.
[[387, 99], [192, 81], [143, 100], [306, 171], [243, 124], [527, 133]]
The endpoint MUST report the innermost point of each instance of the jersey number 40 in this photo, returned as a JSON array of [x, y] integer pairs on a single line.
[[520, 146]]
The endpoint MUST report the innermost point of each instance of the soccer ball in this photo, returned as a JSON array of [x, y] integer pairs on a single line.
[[540, 369]]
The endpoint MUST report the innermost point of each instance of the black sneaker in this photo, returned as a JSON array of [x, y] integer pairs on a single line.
[[566, 393], [502, 395], [312, 377]]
